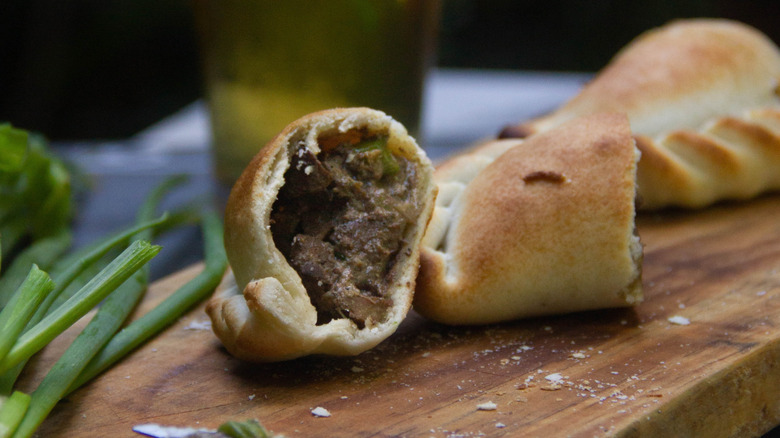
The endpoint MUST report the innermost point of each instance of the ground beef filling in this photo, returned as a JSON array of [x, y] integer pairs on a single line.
[[340, 220]]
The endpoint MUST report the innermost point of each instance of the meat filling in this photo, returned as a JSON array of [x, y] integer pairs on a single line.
[[340, 220]]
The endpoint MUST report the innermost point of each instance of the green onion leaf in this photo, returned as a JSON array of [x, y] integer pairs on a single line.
[[12, 411], [22, 306], [64, 272], [113, 275], [390, 165], [167, 312], [43, 253], [244, 429], [108, 319]]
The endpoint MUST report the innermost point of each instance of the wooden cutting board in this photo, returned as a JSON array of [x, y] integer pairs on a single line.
[[623, 372]]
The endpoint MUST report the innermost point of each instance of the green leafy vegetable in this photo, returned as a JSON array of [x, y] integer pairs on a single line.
[[64, 272], [245, 429], [35, 192], [36, 208]]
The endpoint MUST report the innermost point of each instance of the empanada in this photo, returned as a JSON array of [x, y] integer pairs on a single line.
[[703, 100], [323, 232], [535, 227]]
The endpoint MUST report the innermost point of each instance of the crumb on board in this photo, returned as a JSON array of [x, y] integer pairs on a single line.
[[319, 411], [679, 320], [554, 377], [198, 325], [487, 406]]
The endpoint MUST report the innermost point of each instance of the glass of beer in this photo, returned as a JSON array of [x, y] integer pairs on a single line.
[[268, 62]]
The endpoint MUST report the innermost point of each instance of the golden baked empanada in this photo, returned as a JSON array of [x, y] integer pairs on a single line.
[[702, 98], [533, 227]]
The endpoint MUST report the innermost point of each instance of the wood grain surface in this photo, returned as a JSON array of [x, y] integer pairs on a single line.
[[622, 372]]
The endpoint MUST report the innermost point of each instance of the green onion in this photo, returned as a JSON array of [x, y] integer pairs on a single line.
[[245, 429], [104, 324], [12, 411], [389, 163], [113, 275], [372, 144], [108, 319], [43, 253], [21, 307], [167, 312], [65, 271]]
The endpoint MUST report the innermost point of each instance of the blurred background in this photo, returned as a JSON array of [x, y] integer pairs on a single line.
[[91, 69]]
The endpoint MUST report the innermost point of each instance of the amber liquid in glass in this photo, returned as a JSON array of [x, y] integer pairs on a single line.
[[269, 62]]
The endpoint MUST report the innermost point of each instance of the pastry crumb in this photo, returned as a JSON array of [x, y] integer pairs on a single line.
[[679, 320], [198, 325], [487, 406], [319, 411]]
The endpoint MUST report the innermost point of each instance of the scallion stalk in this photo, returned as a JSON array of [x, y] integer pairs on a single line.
[[65, 271], [111, 277], [108, 319], [245, 429], [22, 306], [112, 313], [12, 411], [42, 253], [167, 312]]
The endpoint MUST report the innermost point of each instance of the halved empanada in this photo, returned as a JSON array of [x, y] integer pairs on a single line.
[[535, 227], [322, 231]]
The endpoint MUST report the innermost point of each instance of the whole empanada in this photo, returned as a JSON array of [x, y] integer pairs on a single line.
[[703, 98]]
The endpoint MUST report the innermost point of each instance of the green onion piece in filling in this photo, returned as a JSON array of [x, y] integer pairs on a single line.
[[389, 163]]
